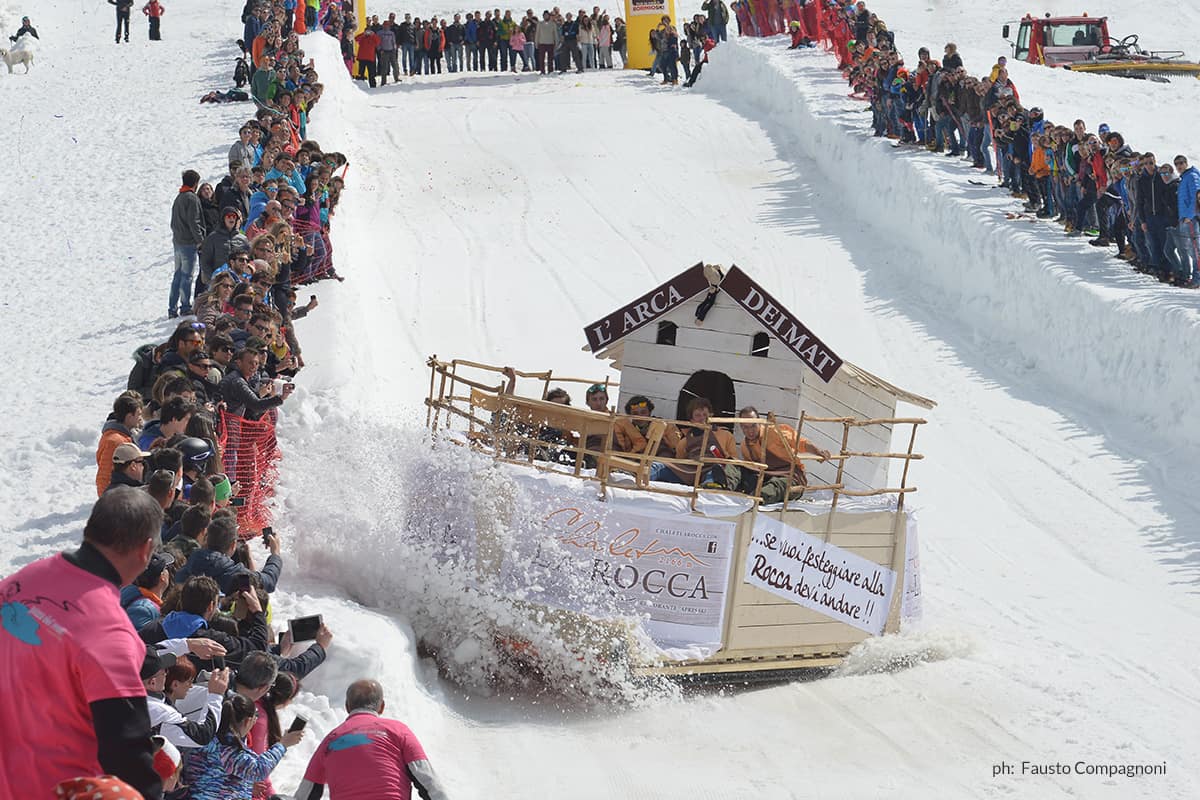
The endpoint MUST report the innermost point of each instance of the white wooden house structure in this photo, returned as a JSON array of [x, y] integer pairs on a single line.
[[748, 350]]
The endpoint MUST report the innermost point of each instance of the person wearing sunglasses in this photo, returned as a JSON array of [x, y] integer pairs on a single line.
[[211, 304], [220, 245], [185, 340], [129, 463], [265, 194], [220, 348]]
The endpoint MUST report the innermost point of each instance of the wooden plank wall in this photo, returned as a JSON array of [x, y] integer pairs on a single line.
[[779, 383], [760, 622]]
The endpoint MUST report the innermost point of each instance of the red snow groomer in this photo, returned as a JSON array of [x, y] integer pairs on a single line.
[[1083, 44]]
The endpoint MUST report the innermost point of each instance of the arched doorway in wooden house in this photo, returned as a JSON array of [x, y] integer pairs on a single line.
[[716, 386]]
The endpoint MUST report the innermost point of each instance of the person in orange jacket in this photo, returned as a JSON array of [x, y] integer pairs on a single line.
[[776, 446], [126, 417], [689, 446]]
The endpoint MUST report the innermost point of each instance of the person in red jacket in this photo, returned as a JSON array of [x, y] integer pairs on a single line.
[[368, 43], [154, 11]]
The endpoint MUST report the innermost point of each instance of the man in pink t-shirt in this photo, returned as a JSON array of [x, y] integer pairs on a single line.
[[71, 699], [368, 757]]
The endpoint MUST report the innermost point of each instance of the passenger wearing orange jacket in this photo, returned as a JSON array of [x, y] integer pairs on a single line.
[[720, 444], [776, 446], [118, 429], [630, 435]]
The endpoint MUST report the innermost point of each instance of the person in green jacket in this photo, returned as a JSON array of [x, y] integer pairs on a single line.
[[265, 82], [505, 28]]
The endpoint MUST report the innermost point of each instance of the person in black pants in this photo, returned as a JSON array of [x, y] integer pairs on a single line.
[[123, 9]]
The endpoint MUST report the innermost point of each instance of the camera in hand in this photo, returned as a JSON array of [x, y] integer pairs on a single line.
[[237, 502], [218, 662], [297, 724], [240, 583], [267, 533], [304, 629]]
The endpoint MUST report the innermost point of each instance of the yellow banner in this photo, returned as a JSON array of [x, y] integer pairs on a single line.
[[641, 17]]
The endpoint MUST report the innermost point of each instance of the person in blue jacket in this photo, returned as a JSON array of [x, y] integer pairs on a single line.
[[142, 599], [1187, 235], [471, 37]]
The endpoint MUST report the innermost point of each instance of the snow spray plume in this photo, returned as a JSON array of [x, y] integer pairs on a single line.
[[422, 528], [899, 651]]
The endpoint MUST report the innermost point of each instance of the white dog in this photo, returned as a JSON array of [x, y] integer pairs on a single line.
[[22, 53]]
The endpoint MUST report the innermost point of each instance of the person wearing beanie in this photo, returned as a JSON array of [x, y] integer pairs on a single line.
[[220, 245]]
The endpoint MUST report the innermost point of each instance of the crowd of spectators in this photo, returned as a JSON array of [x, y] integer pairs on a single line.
[[1092, 183], [146, 663], [496, 41], [488, 42]]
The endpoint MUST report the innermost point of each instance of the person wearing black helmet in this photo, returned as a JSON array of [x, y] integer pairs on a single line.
[[196, 453]]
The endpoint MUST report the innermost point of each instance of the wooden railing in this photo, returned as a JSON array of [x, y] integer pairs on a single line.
[[580, 442]]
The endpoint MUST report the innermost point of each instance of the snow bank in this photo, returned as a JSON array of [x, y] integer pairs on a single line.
[[1096, 329]]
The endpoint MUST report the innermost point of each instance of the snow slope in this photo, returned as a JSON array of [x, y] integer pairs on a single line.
[[492, 217]]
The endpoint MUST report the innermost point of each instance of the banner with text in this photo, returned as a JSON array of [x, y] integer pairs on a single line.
[[801, 568], [594, 559]]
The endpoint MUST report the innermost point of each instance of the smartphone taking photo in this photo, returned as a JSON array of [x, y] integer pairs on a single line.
[[297, 724]]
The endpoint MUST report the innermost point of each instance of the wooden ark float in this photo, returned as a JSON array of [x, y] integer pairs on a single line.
[[803, 580]]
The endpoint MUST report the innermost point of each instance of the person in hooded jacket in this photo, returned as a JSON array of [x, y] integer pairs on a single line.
[[118, 429], [221, 244], [235, 194]]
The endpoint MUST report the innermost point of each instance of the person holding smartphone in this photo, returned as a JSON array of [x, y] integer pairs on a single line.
[[267, 730], [215, 559]]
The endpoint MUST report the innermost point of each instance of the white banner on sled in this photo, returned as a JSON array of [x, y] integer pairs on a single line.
[[801, 568], [592, 558]]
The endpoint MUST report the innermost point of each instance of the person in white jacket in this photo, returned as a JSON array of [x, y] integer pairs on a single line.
[[184, 714]]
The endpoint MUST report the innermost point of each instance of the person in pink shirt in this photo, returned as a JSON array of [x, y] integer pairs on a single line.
[[369, 757], [266, 730], [71, 696]]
